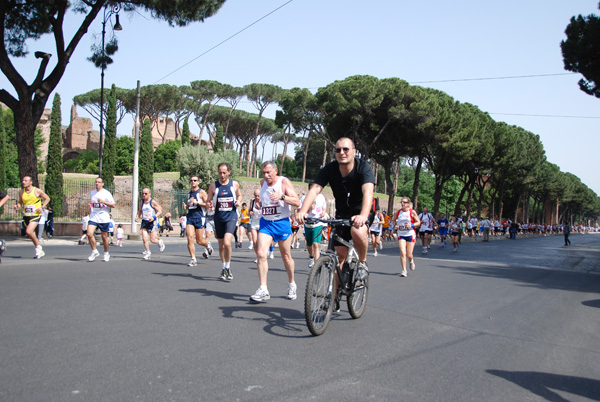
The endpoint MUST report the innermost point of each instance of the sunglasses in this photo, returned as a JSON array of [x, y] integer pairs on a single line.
[[339, 150], [404, 202], [193, 180]]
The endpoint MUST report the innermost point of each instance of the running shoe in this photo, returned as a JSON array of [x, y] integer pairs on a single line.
[[209, 248], [228, 274], [205, 253], [93, 256], [311, 262], [291, 291], [146, 256], [161, 245], [250, 247], [455, 250], [255, 261], [39, 253], [106, 257], [260, 296], [271, 256], [145, 252], [404, 274], [381, 245], [336, 309], [192, 263], [429, 246], [375, 254], [297, 244], [412, 265]]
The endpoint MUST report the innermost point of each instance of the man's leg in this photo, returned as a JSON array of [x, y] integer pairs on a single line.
[[361, 243], [190, 232], [105, 241], [91, 229], [31, 232], [145, 240]]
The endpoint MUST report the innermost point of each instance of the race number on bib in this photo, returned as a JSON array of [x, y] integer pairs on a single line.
[[98, 205], [274, 210], [29, 209], [225, 203], [147, 214]]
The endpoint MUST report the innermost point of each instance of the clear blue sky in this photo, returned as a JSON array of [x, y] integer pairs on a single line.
[[311, 43]]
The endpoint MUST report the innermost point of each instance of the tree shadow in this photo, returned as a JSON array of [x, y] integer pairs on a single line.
[[592, 303], [543, 384], [186, 275]]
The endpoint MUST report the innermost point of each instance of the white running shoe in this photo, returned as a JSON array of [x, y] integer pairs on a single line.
[[93, 256], [404, 274], [297, 244], [455, 249], [381, 245], [192, 263], [250, 247], [161, 246], [260, 296], [271, 256], [205, 253], [291, 291], [145, 252], [375, 254], [311, 262], [429, 247], [106, 257], [146, 256], [255, 261], [209, 248], [39, 253], [412, 265]]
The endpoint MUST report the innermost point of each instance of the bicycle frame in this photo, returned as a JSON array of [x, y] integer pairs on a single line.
[[344, 286]]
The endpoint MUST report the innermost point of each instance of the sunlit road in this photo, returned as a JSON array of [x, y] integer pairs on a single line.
[[499, 321]]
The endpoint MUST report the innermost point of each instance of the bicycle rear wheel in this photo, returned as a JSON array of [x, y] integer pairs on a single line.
[[318, 299], [357, 300]]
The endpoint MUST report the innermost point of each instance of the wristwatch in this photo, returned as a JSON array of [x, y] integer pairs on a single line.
[[282, 197]]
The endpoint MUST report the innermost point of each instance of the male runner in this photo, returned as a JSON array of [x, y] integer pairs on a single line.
[[314, 231], [277, 194], [3, 200], [225, 197], [30, 198], [101, 201], [196, 221], [149, 212], [426, 229]]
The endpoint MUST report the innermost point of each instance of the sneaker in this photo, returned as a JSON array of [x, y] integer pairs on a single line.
[[381, 246], [161, 246], [255, 261], [271, 256], [145, 252], [210, 249], [93, 256], [260, 296], [146, 256], [429, 247], [39, 253], [192, 263], [444, 244], [106, 257], [412, 265], [336, 308], [250, 247], [291, 291], [297, 244], [228, 274], [205, 253], [455, 249], [424, 250], [311, 262], [403, 274], [375, 254]]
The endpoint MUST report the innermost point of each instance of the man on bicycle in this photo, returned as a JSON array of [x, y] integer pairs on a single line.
[[352, 182]]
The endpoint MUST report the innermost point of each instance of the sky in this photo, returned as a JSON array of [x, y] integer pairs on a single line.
[[503, 57]]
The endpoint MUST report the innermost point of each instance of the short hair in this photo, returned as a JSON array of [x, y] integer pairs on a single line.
[[267, 163], [224, 164], [346, 138]]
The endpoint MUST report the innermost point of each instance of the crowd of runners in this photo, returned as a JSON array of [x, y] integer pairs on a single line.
[[274, 217]]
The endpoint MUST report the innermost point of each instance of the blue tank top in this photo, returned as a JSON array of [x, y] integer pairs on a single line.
[[224, 202], [194, 210]]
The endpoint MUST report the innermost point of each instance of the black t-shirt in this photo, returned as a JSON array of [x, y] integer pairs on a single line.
[[347, 190], [2, 195]]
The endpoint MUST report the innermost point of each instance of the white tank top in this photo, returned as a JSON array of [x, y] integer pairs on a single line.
[[273, 210], [403, 218], [147, 211]]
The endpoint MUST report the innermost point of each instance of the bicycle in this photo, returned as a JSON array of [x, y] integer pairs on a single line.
[[321, 297]]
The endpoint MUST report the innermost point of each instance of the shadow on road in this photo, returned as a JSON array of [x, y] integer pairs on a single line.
[[592, 303], [279, 321], [543, 384]]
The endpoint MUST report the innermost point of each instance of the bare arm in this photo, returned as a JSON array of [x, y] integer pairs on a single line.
[[308, 201], [238, 194], [360, 220], [40, 193], [4, 200]]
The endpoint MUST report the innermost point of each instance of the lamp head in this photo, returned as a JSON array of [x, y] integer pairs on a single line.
[[118, 26]]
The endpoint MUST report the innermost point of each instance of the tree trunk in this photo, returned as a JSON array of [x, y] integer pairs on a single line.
[[25, 125], [415, 194]]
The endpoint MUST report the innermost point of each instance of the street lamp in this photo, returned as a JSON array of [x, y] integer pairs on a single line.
[[109, 10]]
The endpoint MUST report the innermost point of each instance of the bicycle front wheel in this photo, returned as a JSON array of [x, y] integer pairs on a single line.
[[318, 299], [357, 300]]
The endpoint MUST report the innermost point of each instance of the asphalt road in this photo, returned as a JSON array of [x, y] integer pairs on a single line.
[[499, 321]]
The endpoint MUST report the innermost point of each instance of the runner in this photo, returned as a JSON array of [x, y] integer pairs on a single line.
[[84, 223], [3, 200], [245, 225], [196, 221], [376, 228], [406, 221], [295, 229], [426, 229], [443, 229], [30, 198], [386, 229], [225, 197], [101, 201], [111, 230], [314, 231], [455, 233], [149, 212], [277, 195], [182, 223]]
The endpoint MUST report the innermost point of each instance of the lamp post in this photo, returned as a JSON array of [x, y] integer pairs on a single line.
[[109, 10]]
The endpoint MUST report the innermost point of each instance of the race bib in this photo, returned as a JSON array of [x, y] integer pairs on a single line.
[[225, 203], [191, 205], [147, 214], [30, 210], [442, 224], [274, 210], [98, 205]]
